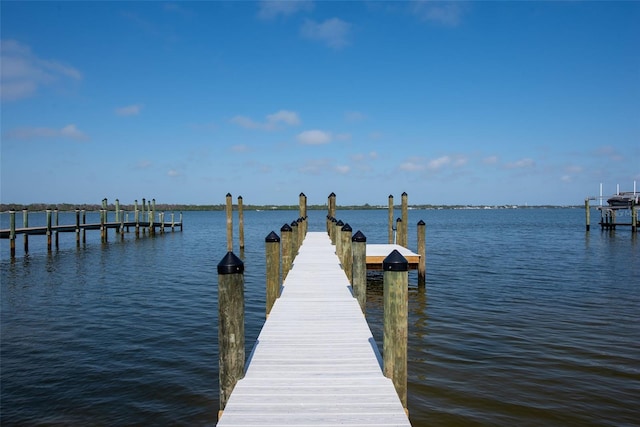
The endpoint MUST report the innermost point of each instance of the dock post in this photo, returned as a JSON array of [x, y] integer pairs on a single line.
[[181, 221], [332, 230], [152, 226], [103, 230], [49, 230], [395, 321], [390, 227], [337, 232], [25, 224], [405, 220], [399, 231], [84, 229], [587, 212], [173, 221], [117, 210], [300, 222], [613, 219], [12, 233], [56, 223], [122, 220], [78, 228], [634, 217], [303, 211], [272, 243], [229, 210], [346, 252], [230, 325], [294, 239], [240, 223], [285, 232], [359, 272], [422, 251], [144, 206], [161, 218], [136, 218], [332, 205]]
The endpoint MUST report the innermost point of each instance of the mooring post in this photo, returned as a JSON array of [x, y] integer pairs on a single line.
[[634, 216], [300, 222], [303, 212], [77, 227], [337, 236], [181, 221], [332, 205], [103, 233], [122, 224], [229, 210], [346, 252], [272, 243], [230, 325], [49, 230], [136, 218], [405, 220], [399, 231], [84, 229], [56, 223], [422, 251], [391, 215], [240, 223], [359, 272], [117, 210], [12, 233], [173, 221], [25, 224], [332, 230], [587, 212], [144, 207], [285, 233], [294, 240], [395, 321], [613, 219]]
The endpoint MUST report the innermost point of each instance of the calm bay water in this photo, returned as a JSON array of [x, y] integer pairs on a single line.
[[526, 320]]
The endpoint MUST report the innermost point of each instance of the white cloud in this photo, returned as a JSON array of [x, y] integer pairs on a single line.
[[22, 73], [491, 160], [354, 116], [173, 173], [342, 169], [439, 163], [69, 131], [314, 137], [129, 110], [521, 164], [444, 13], [334, 32], [272, 121], [413, 164], [270, 9]]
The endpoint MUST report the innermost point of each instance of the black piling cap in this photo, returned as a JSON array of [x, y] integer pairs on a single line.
[[286, 227], [302, 195], [332, 194], [239, 197], [340, 223], [272, 238], [421, 222], [346, 227], [294, 224], [405, 194], [399, 220], [228, 194], [334, 220], [395, 262], [299, 220], [230, 264], [359, 237]]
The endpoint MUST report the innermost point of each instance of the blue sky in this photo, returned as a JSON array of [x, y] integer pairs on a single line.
[[452, 102]]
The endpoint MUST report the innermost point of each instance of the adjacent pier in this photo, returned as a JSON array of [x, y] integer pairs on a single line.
[[315, 361]]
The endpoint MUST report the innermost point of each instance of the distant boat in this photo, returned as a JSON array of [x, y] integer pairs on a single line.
[[625, 198]]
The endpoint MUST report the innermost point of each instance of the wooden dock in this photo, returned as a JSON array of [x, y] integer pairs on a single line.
[[315, 361]]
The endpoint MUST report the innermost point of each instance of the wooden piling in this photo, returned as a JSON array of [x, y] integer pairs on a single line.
[[294, 240], [587, 212], [337, 236], [302, 201], [152, 217], [12, 233], [422, 251], [229, 210], [117, 210], [405, 220], [49, 230], [84, 230], [230, 325], [103, 229], [359, 270], [285, 233], [346, 252], [395, 321], [25, 224], [634, 217], [240, 224], [77, 227], [272, 243], [332, 205], [399, 231], [390, 227], [56, 223]]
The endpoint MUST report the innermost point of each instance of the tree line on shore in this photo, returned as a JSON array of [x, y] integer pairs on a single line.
[[35, 207]]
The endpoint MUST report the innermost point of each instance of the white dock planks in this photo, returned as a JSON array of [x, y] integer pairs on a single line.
[[315, 362]]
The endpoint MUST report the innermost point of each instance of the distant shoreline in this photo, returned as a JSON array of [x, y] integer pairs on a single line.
[[35, 207]]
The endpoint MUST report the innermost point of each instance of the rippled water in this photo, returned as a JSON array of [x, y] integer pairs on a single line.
[[526, 320]]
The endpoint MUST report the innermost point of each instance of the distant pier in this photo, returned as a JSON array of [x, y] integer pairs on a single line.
[[144, 221]]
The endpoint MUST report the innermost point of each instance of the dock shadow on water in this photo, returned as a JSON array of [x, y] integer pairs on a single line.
[[526, 320]]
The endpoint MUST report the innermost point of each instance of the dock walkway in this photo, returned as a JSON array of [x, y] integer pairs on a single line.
[[315, 361]]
